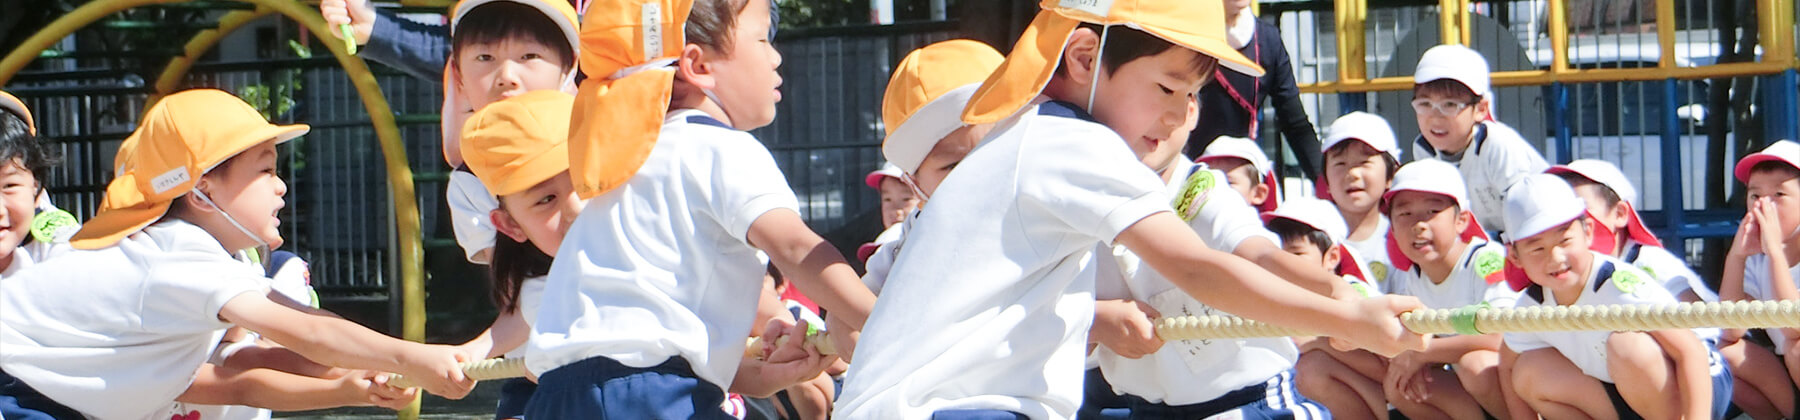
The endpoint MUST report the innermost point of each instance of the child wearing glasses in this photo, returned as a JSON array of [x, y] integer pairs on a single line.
[[1452, 101]]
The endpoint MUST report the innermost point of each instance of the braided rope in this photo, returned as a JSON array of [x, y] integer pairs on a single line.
[[1466, 320]]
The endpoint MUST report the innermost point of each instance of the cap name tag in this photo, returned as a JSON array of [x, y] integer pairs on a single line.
[[1099, 8], [653, 30], [169, 180]]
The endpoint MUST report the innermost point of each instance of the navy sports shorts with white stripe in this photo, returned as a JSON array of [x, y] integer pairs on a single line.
[[1272, 400]]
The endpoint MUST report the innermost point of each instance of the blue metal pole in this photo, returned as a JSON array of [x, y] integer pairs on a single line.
[[1559, 122], [1349, 102], [1671, 174], [1783, 119]]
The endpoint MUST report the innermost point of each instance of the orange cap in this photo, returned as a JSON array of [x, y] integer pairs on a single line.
[[920, 87], [16, 106], [627, 50], [1198, 25], [181, 137], [519, 142]]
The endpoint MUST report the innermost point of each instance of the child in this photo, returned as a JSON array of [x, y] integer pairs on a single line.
[[1348, 383], [1656, 374], [1452, 102], [34, 230], [897, 201], [499, 49], [644, 312], [1360, 159], [118, 328], [1765, 243], [1442, 256], [1246, 167], [1612, 201], [1023, 217]]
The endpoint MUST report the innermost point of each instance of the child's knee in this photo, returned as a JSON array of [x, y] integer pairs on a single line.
[[1634, 352], [1534, 373], [1479, 372]]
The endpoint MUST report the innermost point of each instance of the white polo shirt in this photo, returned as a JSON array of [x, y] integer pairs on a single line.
[[1610, 282], [1191, 371], [988, 305], [1670, 270], [1475, 279], [1757, 285], [117, 333], [470, 202], [876, 268], [1495, 159], [1374, 252], [661, 267]]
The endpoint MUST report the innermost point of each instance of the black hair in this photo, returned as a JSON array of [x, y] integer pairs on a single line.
[[1775, 166], [775, 273], [17, 143], [1291, 230], [1125, 44], [711, 22], [1393, 165], [1448, 87], [512, 263], [498, 21], [1606, 193]]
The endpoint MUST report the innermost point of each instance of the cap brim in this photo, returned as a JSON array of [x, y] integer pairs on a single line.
[[1024, 73], [569, 29], [616, 124], [915, 137], [12, 103], [1749, 163], [109, 226], [1228, 57]]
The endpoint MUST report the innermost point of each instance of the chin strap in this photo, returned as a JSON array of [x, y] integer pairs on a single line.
[[260, 243]]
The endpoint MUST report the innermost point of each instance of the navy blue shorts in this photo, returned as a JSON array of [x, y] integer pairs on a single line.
[[602, 388], [19, 401], [515, 393], [1098, 402], [1272, 400]]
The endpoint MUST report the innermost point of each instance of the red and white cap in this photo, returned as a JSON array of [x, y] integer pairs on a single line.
[[1323, 216], [1367, 128], [1454, 62], [1435, 177], [887, 170], [1540, 202], [1242, 148], [1608, 175], [1785, 151]]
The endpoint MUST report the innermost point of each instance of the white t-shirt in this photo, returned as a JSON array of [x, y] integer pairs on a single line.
[[1495, 159], [876, 268], [470, 202], [1475, 279], [989, 308], [1374, 253], [1611, 282], [662, 267], [1670, 270], [1758, 286], [1191, 371], [36, 251], [117, 333], [531, 294]]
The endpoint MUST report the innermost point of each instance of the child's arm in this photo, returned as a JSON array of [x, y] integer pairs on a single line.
[[281, 359], [1747, 242], [508, 332], [337, 342], [1448, 350], [1694, 376], [1780, 279], [1236, 286], [1125, 327], [813, 265], [1288, 266], [787, 363], [282, 391]]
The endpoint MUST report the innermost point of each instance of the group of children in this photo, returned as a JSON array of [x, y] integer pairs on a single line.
[[1042, 219]]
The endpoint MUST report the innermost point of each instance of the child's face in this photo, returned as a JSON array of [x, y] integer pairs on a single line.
[[1164, 153], [1356, 175], [19, 190], [541, 214], [247, 188], [488, 73], [943, 157], [896, 200], [1448, 133], [1557, 258], [1146, 100], [1427, 226], [1782, 189], [747, 84], [1612, 215], [1240, 174], [1304, 248]]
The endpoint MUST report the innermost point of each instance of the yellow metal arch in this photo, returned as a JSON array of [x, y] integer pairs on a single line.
[[400, 178], [197, 46]]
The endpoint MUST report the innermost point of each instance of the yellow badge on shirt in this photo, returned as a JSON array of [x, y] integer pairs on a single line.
[[1193, 194], [1488, 264], [1627, 281]]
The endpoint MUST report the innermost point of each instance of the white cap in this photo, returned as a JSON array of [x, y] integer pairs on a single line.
[[1319, 214], [1241, 148], [915, 138], [1602, 172], [1540, 202], [1454, 62], [1785, 151], [1368, 128], [1430, 176], [888, 170]]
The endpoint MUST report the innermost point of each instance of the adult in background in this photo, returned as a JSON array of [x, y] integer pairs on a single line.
[[1229, 105]]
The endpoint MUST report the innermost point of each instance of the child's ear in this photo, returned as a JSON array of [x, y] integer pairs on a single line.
[[1483, 106], [1080, 56], [1331, 256], [1463, 218], [695, 67], [1259, 194], [504, 223]]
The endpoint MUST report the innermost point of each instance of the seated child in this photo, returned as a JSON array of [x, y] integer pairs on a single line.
[[1348, 383], [1442, 256], [1612, 201], [119, 327], [1247, 169], [1453, 104], [1312, 229], [897, 201], [1360, 159], [1762, 262], [35, 230], [1598, 374]]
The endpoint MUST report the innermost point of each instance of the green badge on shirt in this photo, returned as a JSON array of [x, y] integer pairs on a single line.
[[1627, 281], [48, 224], [1488, 262], [1193, 194]]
